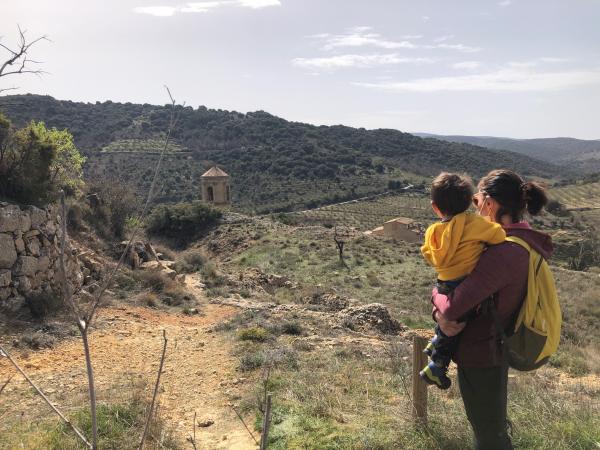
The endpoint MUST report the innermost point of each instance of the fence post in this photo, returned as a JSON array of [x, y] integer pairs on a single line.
[[264, 438], [419, 387]]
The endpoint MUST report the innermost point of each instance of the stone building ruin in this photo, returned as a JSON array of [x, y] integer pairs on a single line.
[[215, 187]]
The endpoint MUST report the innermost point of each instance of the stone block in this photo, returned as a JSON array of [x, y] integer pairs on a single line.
[[38, 216], [25, 222], [5, 278], [33, 246], [8, 253], [10, 218], [43, 263], [26, 265], [23, 284], [4, 293]]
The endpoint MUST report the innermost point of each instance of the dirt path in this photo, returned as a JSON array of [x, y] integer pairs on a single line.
[[199, 375]]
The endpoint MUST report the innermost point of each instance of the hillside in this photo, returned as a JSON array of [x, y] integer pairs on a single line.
[[275, 164], [580, 154]]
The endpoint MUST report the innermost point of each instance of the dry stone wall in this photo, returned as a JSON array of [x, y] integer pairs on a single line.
[[30, 240]]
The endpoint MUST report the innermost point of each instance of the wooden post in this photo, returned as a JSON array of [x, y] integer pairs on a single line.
[[264, 438], [419, 387]]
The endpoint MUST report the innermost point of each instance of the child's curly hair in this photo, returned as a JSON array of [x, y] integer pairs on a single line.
[[452, 193]]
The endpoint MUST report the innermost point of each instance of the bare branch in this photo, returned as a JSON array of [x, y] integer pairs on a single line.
[[173, 121], [19, 56], [192, 438], [6, 383], [246, 426], [4, 352], [160, 369]]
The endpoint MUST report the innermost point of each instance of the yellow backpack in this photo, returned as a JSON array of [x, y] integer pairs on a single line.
[[536, 332]]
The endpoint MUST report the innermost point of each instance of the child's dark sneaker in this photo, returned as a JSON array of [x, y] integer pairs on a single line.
[[436, 375]]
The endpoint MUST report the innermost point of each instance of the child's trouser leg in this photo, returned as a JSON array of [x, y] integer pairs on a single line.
[[443, 347]]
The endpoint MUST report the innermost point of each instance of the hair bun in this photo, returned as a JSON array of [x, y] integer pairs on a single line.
[[534, 196]]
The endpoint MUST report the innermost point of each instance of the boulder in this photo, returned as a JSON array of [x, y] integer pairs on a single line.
[[20, 245], [10, 218], [8, 253], [5, 278], [26, 265], [5, 293], [25, 222]]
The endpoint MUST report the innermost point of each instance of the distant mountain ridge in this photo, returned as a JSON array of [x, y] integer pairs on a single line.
[[275, 163], [577, 153]]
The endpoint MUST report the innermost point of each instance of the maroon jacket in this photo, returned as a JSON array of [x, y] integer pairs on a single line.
[[502, 270]]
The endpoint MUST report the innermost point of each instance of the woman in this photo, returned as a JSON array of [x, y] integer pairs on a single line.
[[502, 273]]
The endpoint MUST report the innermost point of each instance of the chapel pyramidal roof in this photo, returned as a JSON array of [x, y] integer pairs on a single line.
[[215, 172]]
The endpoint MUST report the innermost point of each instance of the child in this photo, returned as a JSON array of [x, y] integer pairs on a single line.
[[453, 246]]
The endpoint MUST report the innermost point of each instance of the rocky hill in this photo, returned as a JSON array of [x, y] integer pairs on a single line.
[[275, 164]]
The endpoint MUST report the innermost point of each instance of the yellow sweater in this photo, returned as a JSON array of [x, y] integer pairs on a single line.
[[454, 247]]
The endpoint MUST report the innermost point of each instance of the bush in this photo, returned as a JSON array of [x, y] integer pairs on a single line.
[[37, 162], [257, 334], [294, 328], [251, 361], [191, 261], [182, 221]]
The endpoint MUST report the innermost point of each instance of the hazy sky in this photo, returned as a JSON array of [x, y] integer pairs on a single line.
[[518, 68]]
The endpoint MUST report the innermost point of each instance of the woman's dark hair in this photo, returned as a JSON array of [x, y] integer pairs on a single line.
[[514, 195]]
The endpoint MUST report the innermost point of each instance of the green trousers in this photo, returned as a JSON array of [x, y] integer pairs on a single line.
[[484, 393]]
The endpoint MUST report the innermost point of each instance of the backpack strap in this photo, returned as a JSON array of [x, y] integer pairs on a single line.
[[490, 305]]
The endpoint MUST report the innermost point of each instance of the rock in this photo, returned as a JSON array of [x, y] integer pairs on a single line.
[[5, 278], [205, 423], [20, 245], [31, 234], [43, 263], [33, 246], [8, 253], [25, 222], [10, 218], [23, 285], [373, 315], [150, 265], [38, 216], [170, 273], [328, 301], [5, 293], [26, 265]]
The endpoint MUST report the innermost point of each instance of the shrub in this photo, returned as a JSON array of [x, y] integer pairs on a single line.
[[112, 206], [37, 162], [251, 361], [257, 334], [293, 328], [182, 221], [191, 261]]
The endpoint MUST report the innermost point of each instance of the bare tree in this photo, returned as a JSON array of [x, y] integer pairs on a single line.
[[340, 241], [19, 60]]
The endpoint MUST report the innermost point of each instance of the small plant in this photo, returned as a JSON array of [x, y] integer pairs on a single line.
[[191, 261], [251, 361], [293, 328], [256, 334]]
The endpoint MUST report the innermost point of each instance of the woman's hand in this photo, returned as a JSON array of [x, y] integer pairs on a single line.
[[449, 327]]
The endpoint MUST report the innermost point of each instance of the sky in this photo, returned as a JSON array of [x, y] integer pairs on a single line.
[[513, 68]]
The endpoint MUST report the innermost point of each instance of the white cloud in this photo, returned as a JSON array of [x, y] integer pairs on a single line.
[[360, 61], [202, 7], [364, 37], [459, 47], [504, 80], [360, 38], [412, 36], [256, 4], [505, 3], [469, 65], [159, 11], [444, 38]]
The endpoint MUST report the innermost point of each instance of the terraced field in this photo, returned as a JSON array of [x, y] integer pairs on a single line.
[[577, 196], [370, 213]]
